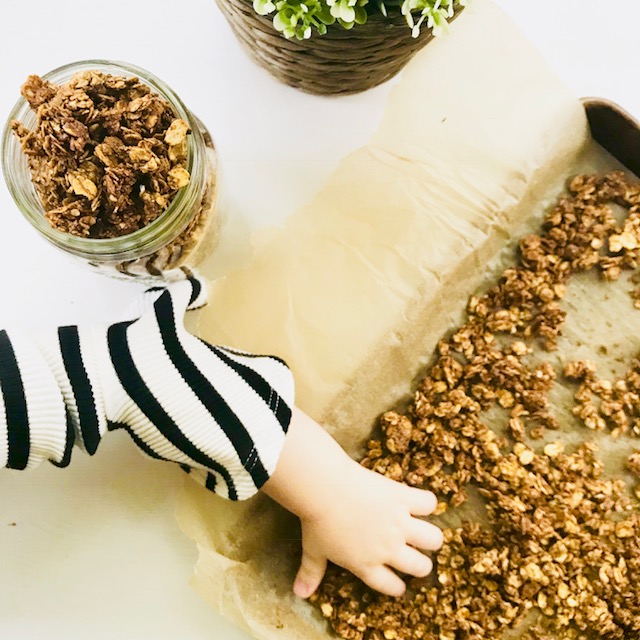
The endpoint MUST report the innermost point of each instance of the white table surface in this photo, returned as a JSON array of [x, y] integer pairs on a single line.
[[94, 550]]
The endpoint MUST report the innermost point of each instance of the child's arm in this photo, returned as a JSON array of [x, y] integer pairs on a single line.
[[222, 415], [351, 516]]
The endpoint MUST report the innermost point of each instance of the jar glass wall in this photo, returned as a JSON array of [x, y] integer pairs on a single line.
[[177, 240]]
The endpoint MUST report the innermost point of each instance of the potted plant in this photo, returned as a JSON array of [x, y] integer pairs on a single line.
[[333, 47]]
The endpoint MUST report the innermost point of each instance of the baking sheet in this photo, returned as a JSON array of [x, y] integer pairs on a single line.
[[357, 287]]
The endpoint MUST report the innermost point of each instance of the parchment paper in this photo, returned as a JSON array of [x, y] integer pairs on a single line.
[[357, 287]]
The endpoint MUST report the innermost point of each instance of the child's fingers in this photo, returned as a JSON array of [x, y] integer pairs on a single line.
[[421, 502], [384, 580], [424, 535], [310, 574], [411, 561]]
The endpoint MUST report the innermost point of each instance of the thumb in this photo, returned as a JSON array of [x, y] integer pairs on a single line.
[[310, 574]]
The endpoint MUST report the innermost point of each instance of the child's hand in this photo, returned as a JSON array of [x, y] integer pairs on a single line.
[[369, 527], [351, 516]]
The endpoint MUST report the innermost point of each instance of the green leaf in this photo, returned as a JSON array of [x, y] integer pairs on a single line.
[[263, 7], [282, 22], [347, 13], [361, 15], [439, 25], [346, 25], [325, 15]]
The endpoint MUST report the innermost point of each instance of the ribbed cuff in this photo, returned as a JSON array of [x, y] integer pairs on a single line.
[[33, 422], [266, 420]]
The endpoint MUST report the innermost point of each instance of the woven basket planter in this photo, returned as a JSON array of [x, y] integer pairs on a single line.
[[336, 63]]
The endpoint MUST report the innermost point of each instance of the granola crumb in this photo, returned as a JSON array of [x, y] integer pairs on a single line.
[[634, 463]]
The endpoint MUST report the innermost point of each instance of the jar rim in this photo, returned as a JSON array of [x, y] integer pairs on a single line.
[[166, 227]]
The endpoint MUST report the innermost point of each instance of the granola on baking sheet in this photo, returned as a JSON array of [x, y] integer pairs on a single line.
[[107, 154], [551, 547]]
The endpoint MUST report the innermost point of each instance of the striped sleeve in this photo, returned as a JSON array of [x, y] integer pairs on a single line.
[[221, 414]]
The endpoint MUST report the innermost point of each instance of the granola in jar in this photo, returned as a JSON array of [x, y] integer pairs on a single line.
[[108, 165]]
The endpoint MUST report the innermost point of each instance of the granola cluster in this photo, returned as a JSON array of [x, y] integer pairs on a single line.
[[603, 404], [556, 551], [107, 154]]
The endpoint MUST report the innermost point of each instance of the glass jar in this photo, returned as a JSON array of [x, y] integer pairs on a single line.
[[176, 241]]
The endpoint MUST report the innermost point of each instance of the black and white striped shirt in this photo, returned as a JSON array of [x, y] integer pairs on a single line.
[[219, 413]]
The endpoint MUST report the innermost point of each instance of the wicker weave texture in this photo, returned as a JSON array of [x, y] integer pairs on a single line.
[[337, 63]]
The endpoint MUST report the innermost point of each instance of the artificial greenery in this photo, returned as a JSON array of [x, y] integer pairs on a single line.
[[299, 18]]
